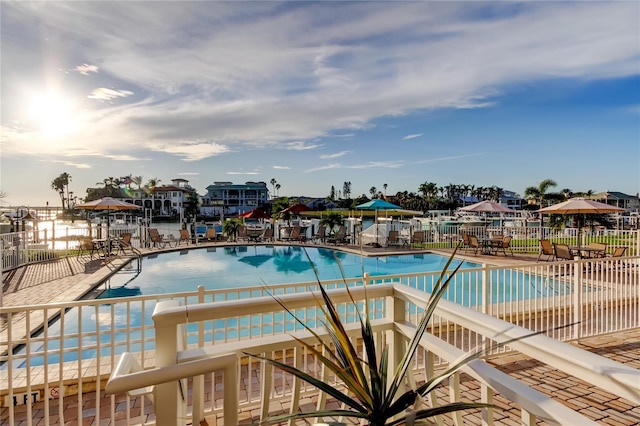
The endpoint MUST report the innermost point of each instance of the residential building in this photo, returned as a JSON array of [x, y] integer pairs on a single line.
[[631, 203], [165, 200], [227, 198]]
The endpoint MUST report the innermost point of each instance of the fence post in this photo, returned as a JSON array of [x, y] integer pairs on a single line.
[[577, 296], [485, 290], [394, 313], [168, 403]]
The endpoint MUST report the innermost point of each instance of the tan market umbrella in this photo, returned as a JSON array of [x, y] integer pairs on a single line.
[[486, 207], [108, 203], [580, 206]]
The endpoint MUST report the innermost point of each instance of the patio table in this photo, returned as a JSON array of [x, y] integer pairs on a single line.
[[587, 252]]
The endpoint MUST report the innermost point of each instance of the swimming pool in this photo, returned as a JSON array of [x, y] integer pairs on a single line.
[[111, 327], [251, 266]]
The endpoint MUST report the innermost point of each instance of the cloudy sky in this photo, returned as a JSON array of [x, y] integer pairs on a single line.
[[314, 94]]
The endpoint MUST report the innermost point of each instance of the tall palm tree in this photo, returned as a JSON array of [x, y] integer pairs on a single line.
[[539, 194], [373, 191], [61, 186]]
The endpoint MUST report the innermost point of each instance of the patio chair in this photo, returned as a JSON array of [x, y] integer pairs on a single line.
[[242, 234], [562, 251], [86, 244], [393, 239], [157, 239], [474, 244], [464, 237], [185, 237], [320, 235], [546, 249], [124, 244], [267, 235], [618, 252], [419, 238], [503, 244], [294, 235], [211, 234], [339, 237]]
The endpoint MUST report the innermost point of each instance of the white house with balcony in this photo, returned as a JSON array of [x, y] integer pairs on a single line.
[[227, 198]]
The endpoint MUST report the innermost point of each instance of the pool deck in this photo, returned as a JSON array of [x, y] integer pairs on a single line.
[[70, 279]]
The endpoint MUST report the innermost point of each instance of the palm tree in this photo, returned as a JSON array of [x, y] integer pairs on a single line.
[[61, 186], [332, 221], [277, 189], [373, 191], [539, 194], [384, 185], [230, 227]]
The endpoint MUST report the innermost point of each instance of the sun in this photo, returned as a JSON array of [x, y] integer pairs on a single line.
[[51, 114]]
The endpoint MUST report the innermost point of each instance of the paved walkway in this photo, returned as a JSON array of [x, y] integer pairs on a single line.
[[74, 278]]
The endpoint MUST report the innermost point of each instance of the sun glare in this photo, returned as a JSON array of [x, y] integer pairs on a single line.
[[51, 113]]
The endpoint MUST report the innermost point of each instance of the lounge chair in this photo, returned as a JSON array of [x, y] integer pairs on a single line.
[[185, 237], [158, 240], [267, 235], [418, 237], [241, 234], [320, 235], [124, 244], [502, 244], [618, 252], [546, 249], [562, 251], [339, 237], [393, 239], [294, 235], [211, 234]]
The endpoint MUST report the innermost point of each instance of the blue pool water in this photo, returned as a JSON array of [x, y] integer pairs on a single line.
[[251, 266], [235, 267]]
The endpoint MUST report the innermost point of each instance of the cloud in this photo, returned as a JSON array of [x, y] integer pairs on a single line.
[[70, 164], [282, 167], [336, 155], [327, 167], [301, 146], [453, 157], [417, 135], [85, 69], [105, 94], [378, 164], [194, 151], [188, 174], [243, 173]]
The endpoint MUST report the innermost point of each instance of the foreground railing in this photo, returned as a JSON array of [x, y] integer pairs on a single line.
[[81, 342], [390, 329]]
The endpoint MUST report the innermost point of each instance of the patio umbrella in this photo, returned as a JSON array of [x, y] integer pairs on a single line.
[[580, 206], [255, 214], [296, 208], [486, 207], [107, 204], [377, 204]]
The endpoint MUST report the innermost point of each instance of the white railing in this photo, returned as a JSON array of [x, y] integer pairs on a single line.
[[391, 328], [25, 247], [596, 296]]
